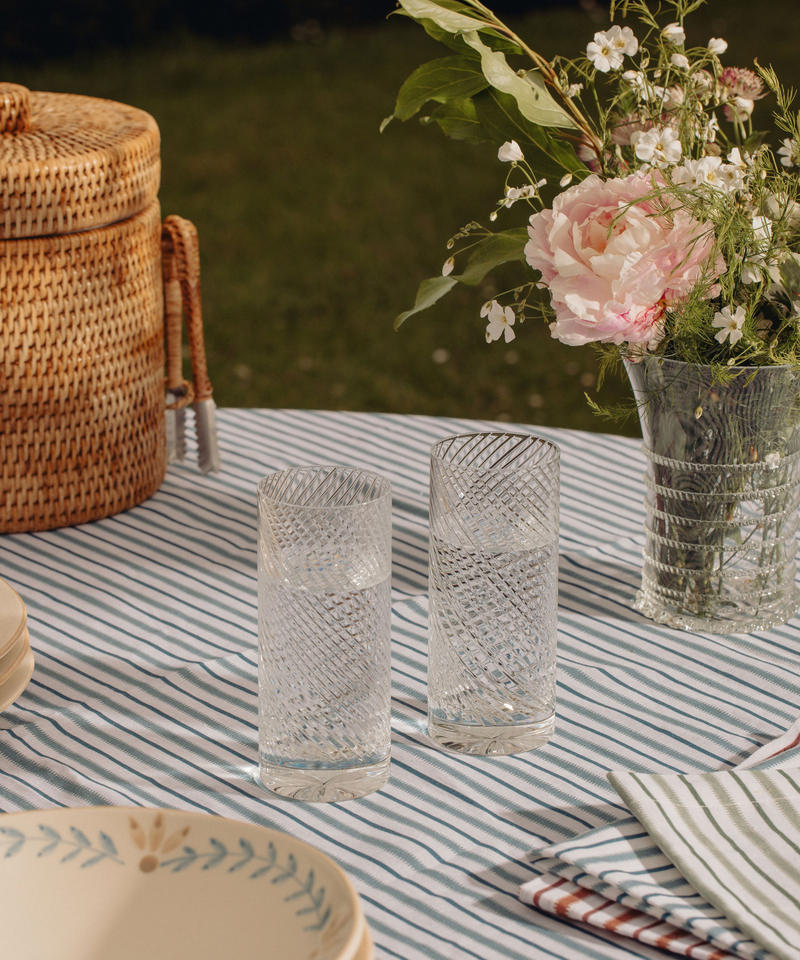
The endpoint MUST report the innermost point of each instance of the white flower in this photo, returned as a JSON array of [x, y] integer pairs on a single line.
[[566, 180], [510, 152], [731, 177], [739, 108], [644, 89], [609, 47], [447, 269], [521, 193], [730, 324], [696, 173], [501, 320], [717, 46], [602, 54], [574, 89], [660, 146], [674, 33], [742, 162], [788, 153], [623, 40], [679, 60], [712, 129]]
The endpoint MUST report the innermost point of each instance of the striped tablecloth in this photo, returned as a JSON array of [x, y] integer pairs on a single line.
[[144, 693]]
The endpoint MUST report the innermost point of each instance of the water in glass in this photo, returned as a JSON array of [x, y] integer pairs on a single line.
[[493, 598], [324, 650]]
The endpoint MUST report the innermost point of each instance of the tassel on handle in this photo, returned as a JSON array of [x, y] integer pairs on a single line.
[[181, 259]]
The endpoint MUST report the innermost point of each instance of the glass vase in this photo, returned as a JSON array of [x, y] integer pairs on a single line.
[[721, 494]]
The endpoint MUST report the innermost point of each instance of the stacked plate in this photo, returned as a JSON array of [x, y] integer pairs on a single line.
[[112, 883], [16, 657]]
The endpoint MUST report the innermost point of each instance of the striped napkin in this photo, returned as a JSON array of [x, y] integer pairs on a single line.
[[708, 868]]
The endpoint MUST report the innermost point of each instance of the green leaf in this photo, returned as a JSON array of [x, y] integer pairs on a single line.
[[429, 292], [447, 18], [533, 98], [491, 252], [456, 42], [458, 120], [501, 120], [451, 78]]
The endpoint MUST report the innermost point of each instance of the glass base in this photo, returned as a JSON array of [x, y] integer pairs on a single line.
[[324, 785], [772, 615], [491, 741]]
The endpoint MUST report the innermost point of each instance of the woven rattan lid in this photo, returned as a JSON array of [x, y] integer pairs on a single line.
[[71, 163]]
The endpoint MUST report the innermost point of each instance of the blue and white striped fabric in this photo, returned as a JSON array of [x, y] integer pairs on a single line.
[[144, 693]]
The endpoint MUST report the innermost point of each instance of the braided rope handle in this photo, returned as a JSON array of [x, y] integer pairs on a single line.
[[180, 254]]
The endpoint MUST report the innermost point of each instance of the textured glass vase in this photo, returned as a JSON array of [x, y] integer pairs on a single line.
[[493, 592], [722, 494]]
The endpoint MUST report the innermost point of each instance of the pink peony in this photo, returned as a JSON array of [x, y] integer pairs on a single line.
[[612, 266]]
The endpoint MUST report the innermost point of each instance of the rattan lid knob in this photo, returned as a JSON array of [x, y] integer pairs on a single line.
[[15, 108]]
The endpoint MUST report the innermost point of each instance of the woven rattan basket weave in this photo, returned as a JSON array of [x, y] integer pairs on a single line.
[[84, 260]]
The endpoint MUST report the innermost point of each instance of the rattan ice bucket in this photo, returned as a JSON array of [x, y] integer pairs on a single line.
[[86, 269]]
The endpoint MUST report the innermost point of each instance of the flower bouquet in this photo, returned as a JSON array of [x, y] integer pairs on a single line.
[[662, 227]]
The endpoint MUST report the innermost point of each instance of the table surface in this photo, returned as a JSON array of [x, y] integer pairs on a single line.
[[144, 692]]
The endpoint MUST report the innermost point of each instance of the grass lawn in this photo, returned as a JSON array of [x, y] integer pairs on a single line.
[[316, 230]]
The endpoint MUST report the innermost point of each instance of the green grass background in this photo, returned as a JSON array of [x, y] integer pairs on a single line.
[[316, 229]]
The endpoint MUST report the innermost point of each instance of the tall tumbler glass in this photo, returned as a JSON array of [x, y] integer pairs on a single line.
[[324, 564], [493, 592]]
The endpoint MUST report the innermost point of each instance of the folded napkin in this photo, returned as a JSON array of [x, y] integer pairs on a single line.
[[708, 868]]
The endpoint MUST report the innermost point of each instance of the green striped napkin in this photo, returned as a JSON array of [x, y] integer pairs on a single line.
[[735, 836]]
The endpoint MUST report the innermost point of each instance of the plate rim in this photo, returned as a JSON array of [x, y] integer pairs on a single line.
[[23, 649], [349, 951], [22, 624], [28, 661]]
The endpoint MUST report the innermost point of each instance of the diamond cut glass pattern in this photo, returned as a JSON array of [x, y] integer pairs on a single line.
[[493, 592], [324, 632]]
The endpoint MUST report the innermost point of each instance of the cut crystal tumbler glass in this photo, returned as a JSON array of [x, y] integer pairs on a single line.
[[493, 592], [324, 564]]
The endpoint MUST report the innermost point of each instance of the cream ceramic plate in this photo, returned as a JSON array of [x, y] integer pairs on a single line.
[[112, 883], [9, 661], [14, 685], [12, 617]]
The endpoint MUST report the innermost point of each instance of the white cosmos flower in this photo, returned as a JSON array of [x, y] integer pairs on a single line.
[[510, 152], [501, 320], [658, 146], [674, 33], [717, 46], [680, 61], [730, 324], [788, 152]]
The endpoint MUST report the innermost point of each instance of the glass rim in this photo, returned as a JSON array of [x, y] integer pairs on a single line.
[[381, 483], [660, 361], [554, 452]]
